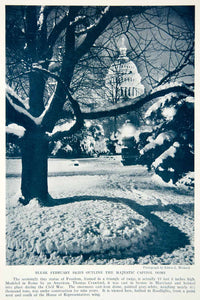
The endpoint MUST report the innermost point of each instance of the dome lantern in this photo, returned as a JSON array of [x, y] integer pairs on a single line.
[[122, 48]]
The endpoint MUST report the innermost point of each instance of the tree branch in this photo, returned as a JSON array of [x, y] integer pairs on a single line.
[[177, 69], [106, 17], [62, 25], [94, 33], [125, 107], [75, 105]]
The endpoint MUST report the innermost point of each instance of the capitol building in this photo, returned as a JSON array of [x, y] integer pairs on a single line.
[[123, 82]]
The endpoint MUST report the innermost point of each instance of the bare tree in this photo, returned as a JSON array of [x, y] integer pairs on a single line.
[[51, 54]]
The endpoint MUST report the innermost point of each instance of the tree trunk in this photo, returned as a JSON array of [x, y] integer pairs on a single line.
[[36, 102], [34, 166]]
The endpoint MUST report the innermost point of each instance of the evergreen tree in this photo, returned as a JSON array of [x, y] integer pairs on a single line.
[[169, 149]]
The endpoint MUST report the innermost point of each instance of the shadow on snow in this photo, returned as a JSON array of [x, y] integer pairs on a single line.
[[168, 238]]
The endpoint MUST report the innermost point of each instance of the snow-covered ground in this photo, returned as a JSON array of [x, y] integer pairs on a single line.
[[100, 213]]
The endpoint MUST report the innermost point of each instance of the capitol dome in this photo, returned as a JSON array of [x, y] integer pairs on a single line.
[[123, 79]]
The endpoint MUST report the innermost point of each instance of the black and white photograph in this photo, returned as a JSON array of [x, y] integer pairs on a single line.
[[99, 134]]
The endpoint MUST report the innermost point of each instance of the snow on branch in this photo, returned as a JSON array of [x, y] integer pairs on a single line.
[[41, 17], [91, 26], [160, 103], [15, 98], [15, 130], [59, 133], [86, 30], [66, 126], [16, 111], [77, 20], [170, 152], [94, 32], [123, 108], [158, 141]]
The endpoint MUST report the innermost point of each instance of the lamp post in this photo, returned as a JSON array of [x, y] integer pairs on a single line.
[[129, 150]]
